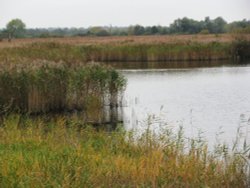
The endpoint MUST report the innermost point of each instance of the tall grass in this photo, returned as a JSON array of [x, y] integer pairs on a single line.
[[179, 51], [241, 49], [61, 152], [42, 86]]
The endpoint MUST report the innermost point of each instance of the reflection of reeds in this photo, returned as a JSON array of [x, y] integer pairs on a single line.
[[179, 51], [37, 88], [64, 152]]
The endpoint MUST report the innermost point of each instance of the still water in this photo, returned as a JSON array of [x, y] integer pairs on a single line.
[[208, 100]]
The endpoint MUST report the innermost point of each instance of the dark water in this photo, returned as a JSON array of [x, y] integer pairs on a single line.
[[168, 65], [207, 99]]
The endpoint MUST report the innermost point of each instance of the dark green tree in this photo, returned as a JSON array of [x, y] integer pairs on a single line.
[[15, 28], [219, 25], [136, 30], [98, 31], [154, 30], [186, 26]]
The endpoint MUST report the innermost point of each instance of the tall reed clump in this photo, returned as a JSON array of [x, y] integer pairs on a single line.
[[41, 87], [93, 87], [64, 152], [241, 49]]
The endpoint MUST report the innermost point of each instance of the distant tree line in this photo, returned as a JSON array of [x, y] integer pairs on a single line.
[[16, 29]]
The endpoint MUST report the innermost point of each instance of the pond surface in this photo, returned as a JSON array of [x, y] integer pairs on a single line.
[[210, 100]]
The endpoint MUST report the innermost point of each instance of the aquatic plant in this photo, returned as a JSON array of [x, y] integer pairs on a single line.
[[42, 86]]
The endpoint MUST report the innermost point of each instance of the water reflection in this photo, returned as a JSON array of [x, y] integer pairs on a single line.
[[168, 65], [207, 99]]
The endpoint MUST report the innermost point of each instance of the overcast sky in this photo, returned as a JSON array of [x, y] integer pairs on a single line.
[[85, 13]]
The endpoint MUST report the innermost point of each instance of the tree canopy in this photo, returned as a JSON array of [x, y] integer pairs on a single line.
[[15, 28]]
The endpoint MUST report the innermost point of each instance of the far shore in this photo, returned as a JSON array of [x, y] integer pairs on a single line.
[[128, 48]]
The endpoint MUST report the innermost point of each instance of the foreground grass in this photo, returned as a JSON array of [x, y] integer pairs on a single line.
[[62, 152]]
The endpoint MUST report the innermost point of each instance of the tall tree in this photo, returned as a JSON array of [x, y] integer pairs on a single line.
[[219, 25], [15, 28], [186, 26], [136, 30]]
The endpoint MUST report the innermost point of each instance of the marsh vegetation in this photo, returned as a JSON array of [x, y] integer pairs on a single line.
[[65, 152], [43, 87], [57, 75], [127, 49]]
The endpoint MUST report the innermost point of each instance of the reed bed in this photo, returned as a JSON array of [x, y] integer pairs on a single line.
[[126, 52], [65, 152], [43, 86], [117, 40]]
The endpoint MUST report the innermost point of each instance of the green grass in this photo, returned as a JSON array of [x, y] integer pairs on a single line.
[[64, 152]]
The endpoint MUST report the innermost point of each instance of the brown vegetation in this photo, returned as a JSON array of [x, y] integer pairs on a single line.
[[167, 39]]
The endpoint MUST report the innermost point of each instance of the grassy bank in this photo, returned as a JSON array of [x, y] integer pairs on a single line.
[[42, 86], [61, 152], [135, 52], [127, 50]]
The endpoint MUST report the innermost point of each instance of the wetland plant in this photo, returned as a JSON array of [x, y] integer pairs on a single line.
[[43, 87]]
